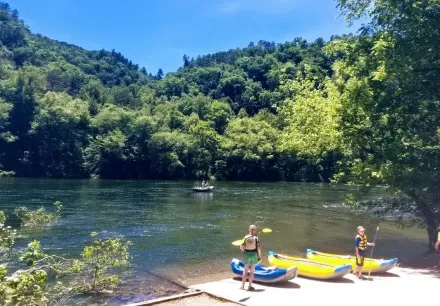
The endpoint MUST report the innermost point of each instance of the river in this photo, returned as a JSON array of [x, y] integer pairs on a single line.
[[181, 235]]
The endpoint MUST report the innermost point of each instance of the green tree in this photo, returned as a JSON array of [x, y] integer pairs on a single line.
[[61, 128], [391, 102], [219, 114], [5, 109], [204, 143], [170, 151], [62, 76], [172, 86], [12, 32], [249, 149], [313, 119], [159, 74]]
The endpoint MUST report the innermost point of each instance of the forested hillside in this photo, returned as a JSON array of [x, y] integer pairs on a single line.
[[361, 109], [69, 112]]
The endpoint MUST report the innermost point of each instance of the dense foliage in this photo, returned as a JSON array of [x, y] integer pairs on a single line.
[[68, 112]]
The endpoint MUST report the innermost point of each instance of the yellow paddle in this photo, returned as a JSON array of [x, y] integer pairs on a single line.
[[240, 241], [371, 255]]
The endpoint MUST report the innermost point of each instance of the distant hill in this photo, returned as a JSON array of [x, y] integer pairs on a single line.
[[70, 112]]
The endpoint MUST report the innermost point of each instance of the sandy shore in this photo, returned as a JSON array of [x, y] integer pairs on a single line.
[[400, 286], [216, 278]]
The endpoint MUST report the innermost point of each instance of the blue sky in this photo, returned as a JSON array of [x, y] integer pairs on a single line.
[[156, 33]]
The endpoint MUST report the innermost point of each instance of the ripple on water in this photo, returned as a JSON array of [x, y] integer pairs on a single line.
[[184, 235]]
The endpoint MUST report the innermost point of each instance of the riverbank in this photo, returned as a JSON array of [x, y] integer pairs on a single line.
[[402, 286]]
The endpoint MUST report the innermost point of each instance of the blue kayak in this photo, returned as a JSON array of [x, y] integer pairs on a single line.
[[266, 274]]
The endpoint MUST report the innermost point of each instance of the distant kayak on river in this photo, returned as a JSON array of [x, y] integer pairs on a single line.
[[205, 187], [202, 189]]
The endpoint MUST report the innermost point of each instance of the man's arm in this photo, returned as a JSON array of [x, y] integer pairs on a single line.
[[437, 245], [259, 249], [356, 245]]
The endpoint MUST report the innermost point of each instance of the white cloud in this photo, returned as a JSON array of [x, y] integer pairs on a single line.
[[230, 7], [261, 6]]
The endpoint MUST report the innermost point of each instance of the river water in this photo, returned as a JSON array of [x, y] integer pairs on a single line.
[[180, 235]]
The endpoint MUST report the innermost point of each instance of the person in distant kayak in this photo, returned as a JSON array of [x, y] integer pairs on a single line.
[[252, 255], [361, 245], [437, 246]]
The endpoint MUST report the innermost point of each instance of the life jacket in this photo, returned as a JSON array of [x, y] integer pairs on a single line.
[[250, 243], [363, 242]]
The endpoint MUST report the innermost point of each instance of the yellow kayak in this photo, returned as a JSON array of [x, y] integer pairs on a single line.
[[376, 265], [309, 268]]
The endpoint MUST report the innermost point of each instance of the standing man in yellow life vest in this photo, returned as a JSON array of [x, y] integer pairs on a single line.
[[252, 255], [361, 245]]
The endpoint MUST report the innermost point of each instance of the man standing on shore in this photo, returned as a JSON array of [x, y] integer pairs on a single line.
[[361, 245], [252, 255]]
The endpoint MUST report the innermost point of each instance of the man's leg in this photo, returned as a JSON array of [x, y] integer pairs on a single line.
[[359, 264], [251, 277], [245, 270]]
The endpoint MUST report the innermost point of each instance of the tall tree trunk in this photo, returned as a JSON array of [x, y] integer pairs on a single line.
[[432, 235], [428, 216]]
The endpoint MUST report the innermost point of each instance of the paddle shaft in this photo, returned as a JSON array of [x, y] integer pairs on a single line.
[[372, 248]]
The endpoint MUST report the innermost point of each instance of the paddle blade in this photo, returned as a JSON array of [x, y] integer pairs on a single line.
[[238, 242], [267, 230]]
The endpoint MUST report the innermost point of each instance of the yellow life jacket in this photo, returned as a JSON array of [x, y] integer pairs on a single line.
[[250, 243], [363, 242]]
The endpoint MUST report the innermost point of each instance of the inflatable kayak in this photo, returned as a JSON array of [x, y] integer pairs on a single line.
[[203, 189], [266, 274], [309, 268], [376, 265]]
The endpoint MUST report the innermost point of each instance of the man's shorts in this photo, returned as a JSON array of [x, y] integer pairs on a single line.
[[360, 260], [250, 258]]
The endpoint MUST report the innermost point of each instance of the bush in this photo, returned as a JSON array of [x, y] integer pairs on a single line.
[[7, 235], [40, 216]]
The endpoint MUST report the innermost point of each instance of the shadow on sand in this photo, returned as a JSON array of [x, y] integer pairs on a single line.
[[386, 274], [341, 280], [284, 285]]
